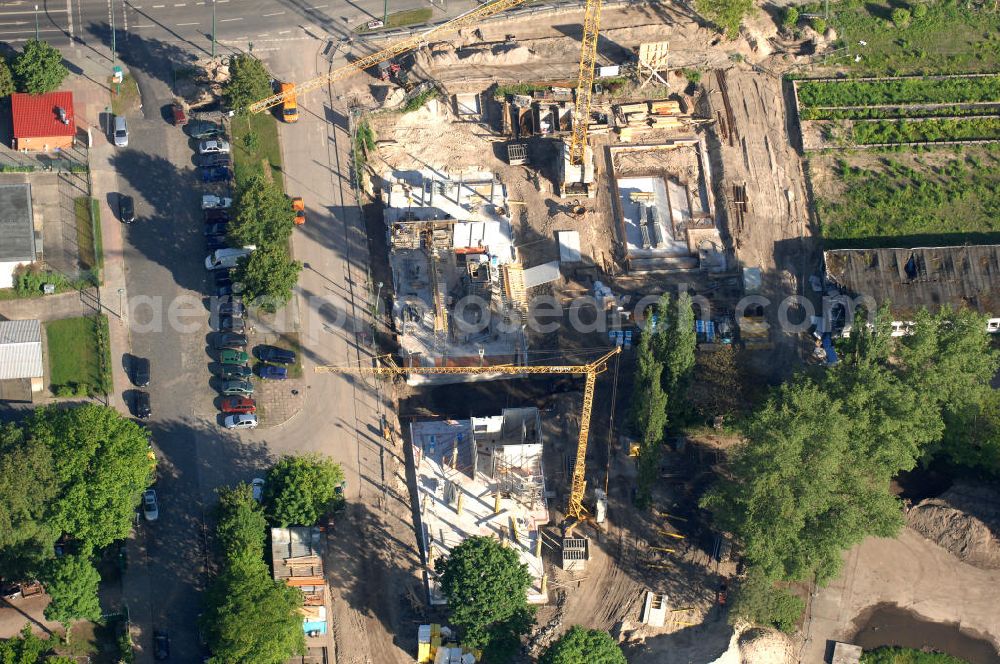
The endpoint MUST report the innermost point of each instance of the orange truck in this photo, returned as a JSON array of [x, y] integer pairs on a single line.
[[289, 107]]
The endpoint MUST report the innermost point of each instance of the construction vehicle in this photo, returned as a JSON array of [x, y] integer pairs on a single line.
[[575, 511], [290, 106]]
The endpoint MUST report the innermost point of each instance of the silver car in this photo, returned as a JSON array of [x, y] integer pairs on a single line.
[[241, 422], [214, 146], [150, 506], [121, 132]]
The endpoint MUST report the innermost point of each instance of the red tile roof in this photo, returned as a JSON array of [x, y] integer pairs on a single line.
[[35, 116]]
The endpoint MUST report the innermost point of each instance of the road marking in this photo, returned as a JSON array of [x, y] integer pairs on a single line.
[[182, 25], [283, 32], [17, 32], [318, 7], [272, 14], [31, 11], [15, 23], [69, 15], [226, 20], [183, 4], [144, 25], [158, 6]]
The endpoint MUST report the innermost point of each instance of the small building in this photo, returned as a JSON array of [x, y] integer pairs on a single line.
[[21, 366], [297, 560], [17, 231], [43, 123]]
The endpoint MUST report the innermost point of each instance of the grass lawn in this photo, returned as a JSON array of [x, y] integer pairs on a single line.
[[933, 197], [88, 233], [953, 37], [124, 97], [890, 655], [250, 156], [79, 355], [402, 19]]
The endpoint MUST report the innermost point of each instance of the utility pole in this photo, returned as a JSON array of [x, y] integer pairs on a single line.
[[213, 29], [385, 12], [36, 22], [113, 34]]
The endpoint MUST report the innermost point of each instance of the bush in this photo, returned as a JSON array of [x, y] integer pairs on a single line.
[[29, 281], [919, 11], [900, 17], [38, 68], [758, 600], [790, 18], [693, 76], [818, 24]]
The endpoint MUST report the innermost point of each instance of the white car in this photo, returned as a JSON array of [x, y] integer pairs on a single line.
[[213, 202], [241, 422], [257, 485], [214, 146], [150, 508]]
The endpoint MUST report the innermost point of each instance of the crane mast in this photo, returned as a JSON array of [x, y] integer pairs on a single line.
[[585, 82], [575, 511]]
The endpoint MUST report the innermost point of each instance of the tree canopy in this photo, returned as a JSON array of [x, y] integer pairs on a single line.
[[264, 215], [268, 275], [248, 82], [71, 581], [26, 648], [486, 585], [583, 646], [28, 487], [678, 351], [38, 68], [250, 617], [7, 85], [727, 14], [299, 489], [102, 464]]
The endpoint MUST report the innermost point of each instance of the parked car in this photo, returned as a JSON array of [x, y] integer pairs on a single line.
[[121, 132], [232, 308], [141, 405], [232, 324], [223, 278], [216, 216], [235, 371], [211, 201], [257, 486], [202, 129], [241, 422], [233, 356], [216, 174], [126, 208], [274, 354], [161, 645], [213, 146], [225, 340], [226, 259], [218, 228], [234, 388], [214, 242], [178, 115], [229, 289], [210, 160], [150, 506], [140, 371], [271, 372], [238, 404]]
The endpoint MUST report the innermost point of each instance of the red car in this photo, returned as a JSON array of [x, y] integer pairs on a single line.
[[240, 405], [178, 115]]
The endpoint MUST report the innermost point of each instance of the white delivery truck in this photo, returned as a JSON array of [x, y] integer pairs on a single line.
[[224, 259]]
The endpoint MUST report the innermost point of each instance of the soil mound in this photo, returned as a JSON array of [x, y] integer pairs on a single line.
[[765, 646], [965, 520]]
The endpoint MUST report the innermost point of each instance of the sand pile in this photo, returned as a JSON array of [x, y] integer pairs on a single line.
[[965, 520], [495, 55], [765, 646]]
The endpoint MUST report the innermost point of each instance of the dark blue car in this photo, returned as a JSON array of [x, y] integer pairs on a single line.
[[216, 174], [269, 372]]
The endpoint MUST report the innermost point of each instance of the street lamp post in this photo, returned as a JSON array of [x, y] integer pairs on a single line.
[[113, 45], [36, 22], [385, 12], [213, 29]]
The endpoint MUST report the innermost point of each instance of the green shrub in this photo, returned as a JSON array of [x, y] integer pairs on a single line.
[[919, 11], [790, 19], [29, 282], [900, 17], [418, 101], [693, 76], [818, 24], [759, 601]]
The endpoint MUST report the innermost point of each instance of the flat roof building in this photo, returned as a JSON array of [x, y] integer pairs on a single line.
[[22, 367], [17, 231]]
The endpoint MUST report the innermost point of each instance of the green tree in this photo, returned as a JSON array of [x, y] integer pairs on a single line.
[[264, 215], [38, 68], [6, 79], [24, 649], [900, 17], [241, 528], [919, 11], [486, 584], [790, 18], [679, 342], [248, 82], [649, 416], [28, 486], [102, 463], [727, 14], [268, 276], [71, 581], [583, 646], [818, 24], [759, 601], [299, 489]]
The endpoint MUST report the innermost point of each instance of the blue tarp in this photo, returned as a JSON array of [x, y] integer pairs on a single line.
[[314, 626], [831, 354]]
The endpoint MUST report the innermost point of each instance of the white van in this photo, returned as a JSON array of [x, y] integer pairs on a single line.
[[224, 259], [121, 132]]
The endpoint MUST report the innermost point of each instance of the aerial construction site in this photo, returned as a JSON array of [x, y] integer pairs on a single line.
[[576, 163]]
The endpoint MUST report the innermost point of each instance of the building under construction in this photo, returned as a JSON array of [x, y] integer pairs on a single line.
[[459, 288], [481, 476], [296, 559]]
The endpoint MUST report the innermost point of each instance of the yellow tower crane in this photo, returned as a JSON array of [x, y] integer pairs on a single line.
[[575, 511], [585, 82]]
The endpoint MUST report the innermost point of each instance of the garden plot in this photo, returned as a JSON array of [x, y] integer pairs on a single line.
[[880, 112]]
